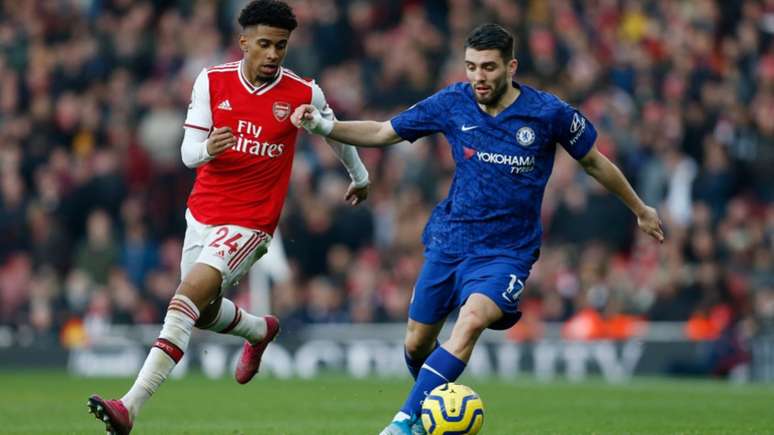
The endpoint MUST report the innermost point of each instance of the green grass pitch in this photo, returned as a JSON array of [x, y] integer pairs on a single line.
[[54, 403]]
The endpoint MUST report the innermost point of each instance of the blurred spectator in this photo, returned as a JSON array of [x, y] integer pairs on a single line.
[[325, 302], [98, 252], [139, 253]]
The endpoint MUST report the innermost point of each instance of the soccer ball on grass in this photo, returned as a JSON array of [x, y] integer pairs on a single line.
[[452, 409]]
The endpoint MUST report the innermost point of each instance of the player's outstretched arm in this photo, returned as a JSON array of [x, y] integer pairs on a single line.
[[608, 174], [357, 191], [358, 133]]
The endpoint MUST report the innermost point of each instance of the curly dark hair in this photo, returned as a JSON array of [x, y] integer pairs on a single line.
[[272, 13]]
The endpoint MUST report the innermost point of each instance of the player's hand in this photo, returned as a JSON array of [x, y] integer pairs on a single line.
[[309, 117], [302, 115], [355, 195], [649, 222], [220, 140]]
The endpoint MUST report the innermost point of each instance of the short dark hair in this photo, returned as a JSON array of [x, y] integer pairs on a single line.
[[272, 13], [490, 36]]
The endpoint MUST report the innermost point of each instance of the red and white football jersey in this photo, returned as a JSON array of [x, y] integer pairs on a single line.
[[246, 185]]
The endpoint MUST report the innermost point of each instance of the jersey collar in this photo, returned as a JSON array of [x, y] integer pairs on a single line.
[[516, 107], [264, 87]]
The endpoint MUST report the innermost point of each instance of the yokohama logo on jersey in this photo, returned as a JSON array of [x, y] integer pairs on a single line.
[[247, 141]]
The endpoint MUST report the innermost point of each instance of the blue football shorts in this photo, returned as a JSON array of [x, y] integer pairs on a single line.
[[445, 283]]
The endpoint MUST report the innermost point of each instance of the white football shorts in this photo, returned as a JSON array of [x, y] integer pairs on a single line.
[[230, 249]]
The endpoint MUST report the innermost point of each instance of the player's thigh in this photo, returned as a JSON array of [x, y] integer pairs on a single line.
[[199, 283], [232, 250], [502, 283], [434, 293], [421, 337]]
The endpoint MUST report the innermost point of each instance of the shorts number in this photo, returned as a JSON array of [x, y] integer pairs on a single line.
[[230, 243], [509, 293]]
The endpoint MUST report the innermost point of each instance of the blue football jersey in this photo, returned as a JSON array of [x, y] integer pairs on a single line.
[[502, 166]]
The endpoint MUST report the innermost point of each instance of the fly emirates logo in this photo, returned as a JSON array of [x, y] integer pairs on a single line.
[[247, 141]]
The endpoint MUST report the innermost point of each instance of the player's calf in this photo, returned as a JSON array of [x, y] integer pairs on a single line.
[[166, 352], [258, 331], [232, 320], [421, 340], [415, 356]]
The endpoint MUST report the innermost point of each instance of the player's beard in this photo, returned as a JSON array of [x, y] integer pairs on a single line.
[[498, 90], [260, 78], [264, 78]]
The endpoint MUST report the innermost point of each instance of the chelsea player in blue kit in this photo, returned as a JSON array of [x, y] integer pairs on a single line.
[[481, 241]]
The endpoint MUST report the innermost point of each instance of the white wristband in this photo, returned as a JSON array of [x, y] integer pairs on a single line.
[[360, 178], [324, 127]]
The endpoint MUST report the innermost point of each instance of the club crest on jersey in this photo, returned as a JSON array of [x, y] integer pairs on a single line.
[[281, 110], [525, 136]]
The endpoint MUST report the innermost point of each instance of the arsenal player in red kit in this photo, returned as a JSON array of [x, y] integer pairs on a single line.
[[239, 137]]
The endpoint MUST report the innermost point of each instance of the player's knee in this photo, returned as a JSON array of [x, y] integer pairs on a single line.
[[420, 340], [417, 346], [472, 323], [187, 288], [198, 294]]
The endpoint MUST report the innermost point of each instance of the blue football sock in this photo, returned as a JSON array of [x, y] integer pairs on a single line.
[[441, 367], [414, 365]]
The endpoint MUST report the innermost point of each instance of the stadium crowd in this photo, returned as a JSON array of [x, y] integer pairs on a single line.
[[92, 190]]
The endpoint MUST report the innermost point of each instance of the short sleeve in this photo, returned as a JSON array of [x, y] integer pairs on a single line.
[[199, 112], [573, 131], [422, 119]]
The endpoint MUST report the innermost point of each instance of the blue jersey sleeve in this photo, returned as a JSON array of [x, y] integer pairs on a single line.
[[573, 131], [422, 119]]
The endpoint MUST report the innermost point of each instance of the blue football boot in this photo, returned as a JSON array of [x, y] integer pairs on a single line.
[[412, 426]]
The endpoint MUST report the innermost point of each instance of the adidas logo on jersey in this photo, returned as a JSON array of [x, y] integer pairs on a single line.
[[224, 105]]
